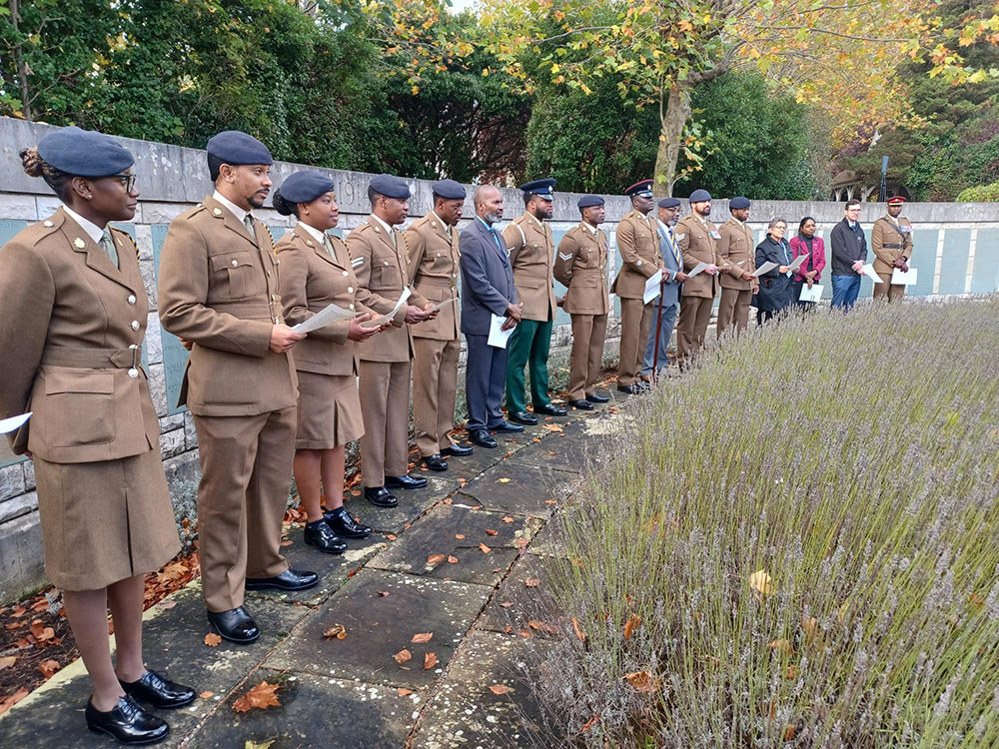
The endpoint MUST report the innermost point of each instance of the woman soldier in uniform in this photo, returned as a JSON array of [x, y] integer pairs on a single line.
[[74, 314]]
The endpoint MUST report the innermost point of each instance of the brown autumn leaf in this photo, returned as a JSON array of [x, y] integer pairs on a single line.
[[382, 593], [429, 661], [206, 695], [452, 559], [403, 692], [484, 549], [422, 637], [525, 633], [503, 481], [506, 604], [391, 536], [633, 623], [49, 667], [459, 536], [791, 672], [337, 630], [166, 604], [18, 611], [212, 639], [8, 702], [532, 582], [287, 542], [642, 681], [402, 656], [789, 732], [508, 519], [589, 724], [41, 632], [541, 626], [7, 661], [580, 634], [551, 501], [783, 646], [499, 689], [435, 559], [491, 532], [260, 697]]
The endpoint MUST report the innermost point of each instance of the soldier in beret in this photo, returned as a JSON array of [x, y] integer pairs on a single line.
[[891, 240], [638, 243], [581, 266], [697, 237], [669, 297], [736, 249], [433, 266], [532, 249], [219, 289], [75, 310], [381, 263]]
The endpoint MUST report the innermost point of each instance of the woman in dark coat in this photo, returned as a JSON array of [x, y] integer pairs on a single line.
[[774, 295]]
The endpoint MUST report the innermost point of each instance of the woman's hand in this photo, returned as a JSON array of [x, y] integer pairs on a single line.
[[783, 268], [358, 332]]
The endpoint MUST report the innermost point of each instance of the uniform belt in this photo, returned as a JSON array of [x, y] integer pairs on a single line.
[[93, 358], [894, 246], [435, 281]]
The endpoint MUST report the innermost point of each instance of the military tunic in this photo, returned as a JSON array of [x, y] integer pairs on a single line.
[[891, 239], [697, 240], [736, 249]]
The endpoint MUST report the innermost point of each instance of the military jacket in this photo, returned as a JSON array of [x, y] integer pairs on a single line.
[[638, 243], [697, 240], [890, 241], [737, 251], [532, 250], [434, 265], [581, 265]]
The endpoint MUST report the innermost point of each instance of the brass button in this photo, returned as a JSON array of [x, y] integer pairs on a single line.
[[133, 372], [48, 224], [235, 263], [135, 324], [131, 298]]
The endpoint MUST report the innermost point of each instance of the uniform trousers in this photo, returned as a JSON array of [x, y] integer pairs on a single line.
[[588, 333], [733, 309], [383, 388], [666, 323], [435, 382], [485, 373], [528, 345], [894, 292], [695, 313], [636, 321], [246, 465]]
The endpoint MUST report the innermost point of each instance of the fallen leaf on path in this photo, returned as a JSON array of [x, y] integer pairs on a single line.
[[452, 560], [429, 661], [491, 532], [41, 632], [49, 667], [506, 604], [383, 593], [402, 656], [525, 633], [166, 603], [7, 661], [402, 692], [254, 745], [391, 537], [499, 689], [337, 630], [435, 559], [206, 695], [551, 427], [508, 519], [287, 542], [532, 582], [503, 481], [459, 536], [11, 700], [422, 637], [212, 639], [484, 549], [542, 627], [260, 697], [18, 611]]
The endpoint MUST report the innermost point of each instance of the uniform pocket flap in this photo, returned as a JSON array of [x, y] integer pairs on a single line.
[[230, 260], [71, 380]]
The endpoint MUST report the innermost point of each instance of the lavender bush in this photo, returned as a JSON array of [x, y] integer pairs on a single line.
[[795, 544]]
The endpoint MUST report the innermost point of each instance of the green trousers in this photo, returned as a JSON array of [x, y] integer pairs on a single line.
[[528, 344]]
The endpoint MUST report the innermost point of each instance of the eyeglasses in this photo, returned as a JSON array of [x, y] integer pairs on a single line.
[[126, 179]]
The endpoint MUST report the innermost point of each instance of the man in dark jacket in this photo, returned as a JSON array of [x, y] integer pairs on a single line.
[[849, 255]]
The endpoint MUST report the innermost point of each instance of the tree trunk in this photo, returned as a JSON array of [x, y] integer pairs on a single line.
[[22, 66], [673, 120]]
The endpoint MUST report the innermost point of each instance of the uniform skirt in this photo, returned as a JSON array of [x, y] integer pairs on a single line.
[[329, 411], [104, 521]]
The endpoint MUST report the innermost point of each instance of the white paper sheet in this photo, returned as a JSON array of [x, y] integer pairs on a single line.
[[813, 294], [765, 268], [699, 268], [869, 272], [900, 277], [330, 314], [798, 262], [14, 422], [442, 304], [497, 336], [652, 284], [387, 318]]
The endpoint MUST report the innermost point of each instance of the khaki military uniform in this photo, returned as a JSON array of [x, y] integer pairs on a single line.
[[433, 267], [638, 243], [581, 266], [736, 250], [890, 240], [697, 240], [72, 354], [219, 289], [381, 263]]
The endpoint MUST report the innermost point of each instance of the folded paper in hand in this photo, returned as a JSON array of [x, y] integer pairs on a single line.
[[652, 284], [14, 422], [901, 277], [868, 271], [330, 314], [798, 262], [387, 318], [497, 336], [699, 268], [813, 294], [765, 268]]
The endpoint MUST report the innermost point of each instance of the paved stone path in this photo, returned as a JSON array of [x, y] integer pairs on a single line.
[[353, 692]]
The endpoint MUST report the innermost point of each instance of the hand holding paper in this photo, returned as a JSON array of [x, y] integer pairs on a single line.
[[330, 314], [813, 294], [497, 335], [798, 262], [652, 286], [14, 422], [901, 277], [868, 270], [765, 268], [387, 318], [699, 268]]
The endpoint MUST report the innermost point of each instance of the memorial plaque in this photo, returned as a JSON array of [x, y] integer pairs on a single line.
[[10, 228], [954, 268], [985, 275], [924, 257]]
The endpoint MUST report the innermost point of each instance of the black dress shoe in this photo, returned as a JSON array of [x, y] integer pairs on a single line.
[[598, 398], [523, 417], [482, 438], [550, 409], [634, 389], [506, 426], [343, 524], [404, 482], [582, 405], [158, 691], [288, 580], [127, 723], [457, 451], [379, 496], [435, 462], [320, 536], [234, 625]]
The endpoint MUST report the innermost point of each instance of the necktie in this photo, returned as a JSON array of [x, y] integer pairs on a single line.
[[495, 236], [248, 222], [673, 246], [107, 243], [329, 246]]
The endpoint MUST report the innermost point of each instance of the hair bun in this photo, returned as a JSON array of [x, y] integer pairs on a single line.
[[282, 205], [31, 162]]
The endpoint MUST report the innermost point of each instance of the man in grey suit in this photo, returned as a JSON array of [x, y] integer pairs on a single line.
[[669, 301], [487, 289]]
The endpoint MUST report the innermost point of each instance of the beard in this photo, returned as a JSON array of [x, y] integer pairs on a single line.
[[256, 200]]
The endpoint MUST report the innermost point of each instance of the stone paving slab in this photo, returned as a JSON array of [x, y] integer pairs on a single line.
[[511, 607], [412, 504], [517, 488], [465, 713], [550, 540], [379, 626], [438, 533], [314, 712]]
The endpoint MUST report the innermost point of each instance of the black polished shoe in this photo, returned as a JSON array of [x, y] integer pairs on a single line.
[[435, 462], [634, 389], [320, 536], [506, 426], [158, 691], [288, 580], [598, 398], [523, 417], [127, 723], [343, 524], [379, 496], [457, 451], [234, 625], [482, 438], [582, 405], [404, 482], [550, 409]]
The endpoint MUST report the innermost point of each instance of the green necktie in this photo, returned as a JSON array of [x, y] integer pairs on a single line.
[[248, 221], [107, 243], [329, 246]]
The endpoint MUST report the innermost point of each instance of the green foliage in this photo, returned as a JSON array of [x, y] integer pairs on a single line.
[[980, 194]]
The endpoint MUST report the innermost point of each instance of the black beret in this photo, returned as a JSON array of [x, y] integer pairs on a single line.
[[699, 196], [642, 189], [448, 189], [669, 203], [236, 147], [540, 187], [304, 187], [390, 186], [84, 153], [589, 200], [739, 203]]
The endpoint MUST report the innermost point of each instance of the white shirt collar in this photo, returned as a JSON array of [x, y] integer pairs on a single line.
[[236, 211], [387, 227], [593, 229], [319, 236], [444, 224], [700, 218], [93, 230]]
